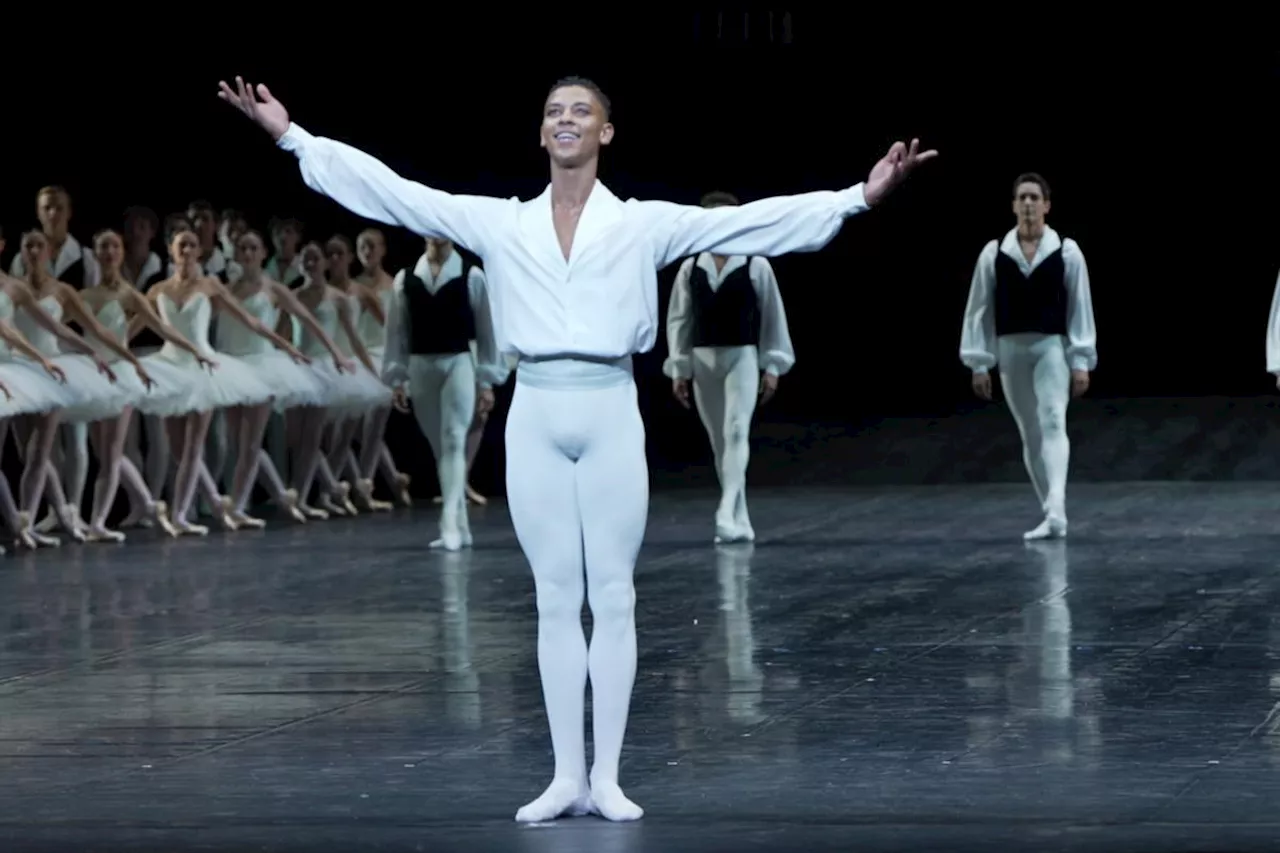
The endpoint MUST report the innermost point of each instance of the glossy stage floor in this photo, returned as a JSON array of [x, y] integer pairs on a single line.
[[887, 668]]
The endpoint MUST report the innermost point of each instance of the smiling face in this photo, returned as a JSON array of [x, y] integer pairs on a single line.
[[574, 126]]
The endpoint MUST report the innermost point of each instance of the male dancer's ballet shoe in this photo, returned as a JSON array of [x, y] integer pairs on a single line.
[[563, 798], [448, 541], [402, 488], [1053, 527], [608, 801], [364, 490]]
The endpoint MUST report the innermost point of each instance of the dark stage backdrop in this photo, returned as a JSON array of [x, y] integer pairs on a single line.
[[1160, 151]]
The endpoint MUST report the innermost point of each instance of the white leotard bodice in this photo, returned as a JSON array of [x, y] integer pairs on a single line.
[[326, 314], [235, 338], [40, 337], [373, 333], [191, 321]]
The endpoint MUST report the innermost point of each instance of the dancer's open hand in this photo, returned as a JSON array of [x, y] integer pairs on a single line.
[[259, 105], [1079, 382], [105, 370], [680, 387], [982, 385], [892, 170], [145, 378], [768, 387], [400, 399], [55, 371]]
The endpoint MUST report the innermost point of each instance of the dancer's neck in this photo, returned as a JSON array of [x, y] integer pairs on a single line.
[[571, 186], [1029, 233]]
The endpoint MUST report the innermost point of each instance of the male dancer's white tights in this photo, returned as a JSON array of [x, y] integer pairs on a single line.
[[1037, 386], [442, 389], [726, 384], [578, 493]]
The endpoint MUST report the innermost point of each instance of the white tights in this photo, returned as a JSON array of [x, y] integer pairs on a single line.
[[726, 383], [1037, 386], [442, 389], [578, 492]]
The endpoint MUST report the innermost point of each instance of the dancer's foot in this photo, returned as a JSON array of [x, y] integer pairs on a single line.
[[475, 497], [608, 801], [159, 512], [402, 489], [48, 524], [186, 528], [1053, 527], [225, 514], [313, 513], [290, 503], [25, 536], [100, 533], [243, 519], [563, 798], [69, 518], [450, 540], [364, 490]]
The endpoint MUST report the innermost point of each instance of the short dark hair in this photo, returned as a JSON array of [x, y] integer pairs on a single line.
[[719, 198], [585, 83], [1032, 178], [279, 223], [203, 206], [146, 214]]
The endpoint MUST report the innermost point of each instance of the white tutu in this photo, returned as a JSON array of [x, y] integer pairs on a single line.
[[292, 384], [33, 390], [96, 396], [349, 394], [231, 383], [171, 389]]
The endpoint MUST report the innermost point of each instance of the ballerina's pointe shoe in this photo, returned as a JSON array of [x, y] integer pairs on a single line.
[[402, 488], [364, 489], [290, 502]]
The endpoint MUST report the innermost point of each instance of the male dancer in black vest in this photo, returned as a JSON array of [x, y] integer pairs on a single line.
[[440, 341], [1030, 311], [727, 330], [69, 261]]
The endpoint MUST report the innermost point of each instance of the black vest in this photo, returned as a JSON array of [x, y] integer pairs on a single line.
[[1032, 303], [146, 338], [74, 274], [440, 323], [728, 316]]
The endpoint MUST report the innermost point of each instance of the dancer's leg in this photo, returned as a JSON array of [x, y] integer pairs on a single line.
[[109, 438], [577, 486], [457, 400], [1019, 359]]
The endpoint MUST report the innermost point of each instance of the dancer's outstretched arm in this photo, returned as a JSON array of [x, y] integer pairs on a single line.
[[365, 185], [774, 226]]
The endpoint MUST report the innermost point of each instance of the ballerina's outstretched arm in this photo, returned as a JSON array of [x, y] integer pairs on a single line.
[[78, 312], [293, 306], [227, 302]]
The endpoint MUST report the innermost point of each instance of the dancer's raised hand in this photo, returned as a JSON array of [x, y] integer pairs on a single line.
[[258, 104], [892, 169]]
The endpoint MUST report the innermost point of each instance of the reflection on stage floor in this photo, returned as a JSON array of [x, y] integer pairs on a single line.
[[884, 669]]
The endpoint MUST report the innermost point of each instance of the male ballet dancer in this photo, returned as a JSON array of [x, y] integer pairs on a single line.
[[440, 342], [727, 329], [573, 289], [1030, 311]]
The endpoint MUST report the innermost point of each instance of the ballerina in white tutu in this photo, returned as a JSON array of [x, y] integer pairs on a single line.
[[187, 300], [115, 303], [347, 419], [33, 386], [358, 391], [100, 394], [293, 384], [375, 456]]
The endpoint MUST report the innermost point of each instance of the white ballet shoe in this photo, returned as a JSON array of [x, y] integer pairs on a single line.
[[608, 801], [563, 798], [1053, 527], [450, 540]]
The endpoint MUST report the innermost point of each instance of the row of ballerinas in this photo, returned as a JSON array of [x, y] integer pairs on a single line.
[[327, 385]]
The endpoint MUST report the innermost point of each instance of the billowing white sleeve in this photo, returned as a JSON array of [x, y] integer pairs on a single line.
[[1273, 333], [776, 354], [395, 359], [491, 368], [680, 325], [367, 187], [978, 332], [769, 227], [1082, 334]]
